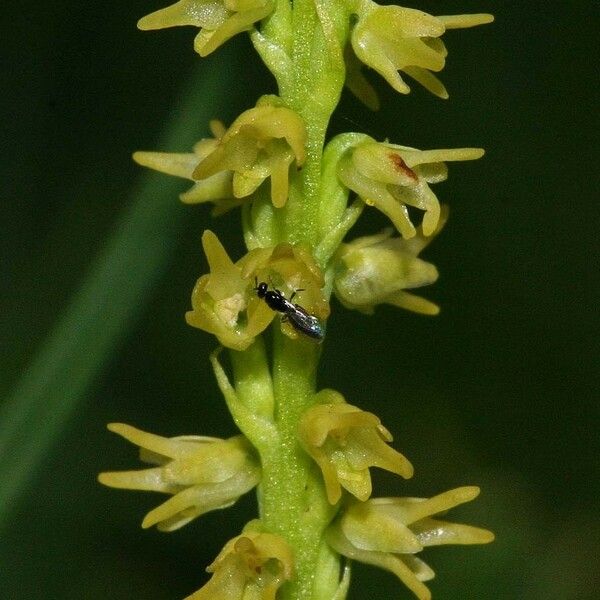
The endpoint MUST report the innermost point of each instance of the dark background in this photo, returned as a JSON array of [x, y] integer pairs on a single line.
[[499, 390]]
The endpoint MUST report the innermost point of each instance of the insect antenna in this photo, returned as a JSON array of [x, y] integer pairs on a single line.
[[295, 292]]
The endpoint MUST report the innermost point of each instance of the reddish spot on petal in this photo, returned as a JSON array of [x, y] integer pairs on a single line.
[[401, 166]]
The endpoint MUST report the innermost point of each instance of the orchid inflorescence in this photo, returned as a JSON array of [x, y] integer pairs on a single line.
[[308, 452]]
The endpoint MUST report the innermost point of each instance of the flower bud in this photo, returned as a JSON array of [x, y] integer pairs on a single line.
[[378, 269]]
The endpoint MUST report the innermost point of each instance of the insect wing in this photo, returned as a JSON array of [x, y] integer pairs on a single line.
[[307, 324]]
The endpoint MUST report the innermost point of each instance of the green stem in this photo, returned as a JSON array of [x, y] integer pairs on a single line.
[[310, 70], [318, 75], [252, 378], [291, 496]]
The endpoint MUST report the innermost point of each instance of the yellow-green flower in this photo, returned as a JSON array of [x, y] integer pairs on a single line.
[[252, 566], [392, 177], [261, 143], [388, 532], [219, 20], [345, 441], [393, 38], [225, 303], [201, 473], [217, 189], [378, 269], [222, 301]]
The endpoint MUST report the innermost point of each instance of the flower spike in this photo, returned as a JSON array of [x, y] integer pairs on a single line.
[[252, 566], [220, 20], [201, 473], [345, 441], [309, 453], [388, 532]]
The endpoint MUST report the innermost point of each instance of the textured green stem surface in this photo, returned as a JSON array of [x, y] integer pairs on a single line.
[[292, 498], [293, 502]]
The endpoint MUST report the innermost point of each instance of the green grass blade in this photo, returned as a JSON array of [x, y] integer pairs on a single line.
[[104, 309]]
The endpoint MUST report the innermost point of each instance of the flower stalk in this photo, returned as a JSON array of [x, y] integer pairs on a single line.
[[308, 453], [292, 499]]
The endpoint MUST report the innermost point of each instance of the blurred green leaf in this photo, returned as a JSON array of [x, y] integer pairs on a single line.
[[104, 309]]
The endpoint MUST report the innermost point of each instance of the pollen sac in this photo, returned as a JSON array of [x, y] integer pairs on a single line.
[[219, 20], [389, 532], [378, 269], [390, 39], [391, 178], [261, 143], [345, 441], [201, 473], [253, 566]]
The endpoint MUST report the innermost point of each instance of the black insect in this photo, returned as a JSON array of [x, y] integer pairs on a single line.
[[301, 321]]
